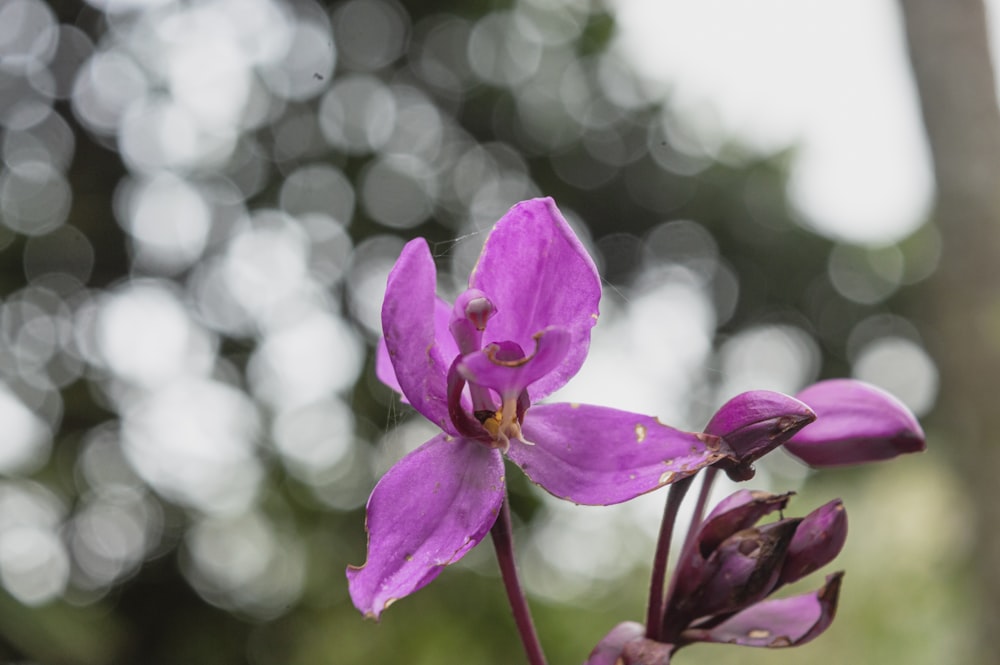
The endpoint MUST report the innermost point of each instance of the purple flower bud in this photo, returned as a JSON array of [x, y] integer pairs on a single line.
[[719, 592], [742, 571], [626, 644], [609, 650], [732, 566], [856, 423], [646, 652], [740, 510], [817, 541], [753, 424]]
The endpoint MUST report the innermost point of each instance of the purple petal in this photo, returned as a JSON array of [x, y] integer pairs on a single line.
[[431, 508], [409, 327], [817, 541], [743, 570], [855, 423], [599, 456], [384, 370], [442, 334], [754, 423], [646, 652], [776, 623], [537, 273], [468, 319], [738, 511], [609, 649], [383, 364], [509, 377]]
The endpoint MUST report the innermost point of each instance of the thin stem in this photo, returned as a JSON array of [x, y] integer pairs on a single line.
[[689, 540], [503, 543], [654, 610], [699, 506]]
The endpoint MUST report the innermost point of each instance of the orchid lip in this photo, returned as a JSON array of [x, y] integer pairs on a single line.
[[504, 368], [494, 427]]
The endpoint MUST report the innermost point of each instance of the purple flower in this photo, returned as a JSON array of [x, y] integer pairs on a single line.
[[722, 584], [475, 369]]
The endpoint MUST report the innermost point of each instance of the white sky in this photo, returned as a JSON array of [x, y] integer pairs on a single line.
[[832, 77]]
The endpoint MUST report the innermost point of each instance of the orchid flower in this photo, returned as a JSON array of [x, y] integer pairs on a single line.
[[476, 370], [721, 587]]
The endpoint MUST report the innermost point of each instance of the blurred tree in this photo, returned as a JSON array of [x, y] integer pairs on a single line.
[[950, 52]]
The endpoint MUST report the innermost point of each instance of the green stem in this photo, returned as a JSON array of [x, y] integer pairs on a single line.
[[503, 543]]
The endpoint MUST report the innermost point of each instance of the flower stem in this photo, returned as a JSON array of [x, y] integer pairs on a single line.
[[503, 543], [654, 610], [699, 506], [689, 540]]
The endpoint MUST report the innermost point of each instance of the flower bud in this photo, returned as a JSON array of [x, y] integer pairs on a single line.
[[753, 424], [856, 423], [817, 541], [744, 569], [609, 650]]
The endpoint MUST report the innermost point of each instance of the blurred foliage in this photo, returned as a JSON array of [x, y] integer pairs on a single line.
[[562, 117]]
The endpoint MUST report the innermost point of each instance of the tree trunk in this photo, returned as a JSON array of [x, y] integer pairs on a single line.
[[950, 54]]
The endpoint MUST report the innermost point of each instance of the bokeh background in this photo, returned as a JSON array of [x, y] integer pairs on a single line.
[[200, 201]]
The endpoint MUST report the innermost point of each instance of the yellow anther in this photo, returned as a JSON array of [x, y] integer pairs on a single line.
[[492, 424], [502, 425]]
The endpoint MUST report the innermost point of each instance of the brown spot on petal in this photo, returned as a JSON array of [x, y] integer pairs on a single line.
[[759, 634], [640, 432], [711, 441], [785, 423], [667, 478], [782, 641], [408, 557], [574, 405]]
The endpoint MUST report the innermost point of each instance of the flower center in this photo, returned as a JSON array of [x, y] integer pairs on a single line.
[[493, 426], [503, 424]]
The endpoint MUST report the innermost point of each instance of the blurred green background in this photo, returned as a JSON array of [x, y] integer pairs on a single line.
[[199, 203]]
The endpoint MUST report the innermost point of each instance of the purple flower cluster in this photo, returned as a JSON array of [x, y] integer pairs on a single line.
[[720, 589], [478, 369]]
